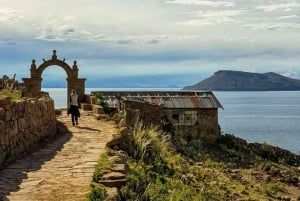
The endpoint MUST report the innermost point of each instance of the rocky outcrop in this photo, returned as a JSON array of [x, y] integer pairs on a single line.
[[120, 141], [23, 124]]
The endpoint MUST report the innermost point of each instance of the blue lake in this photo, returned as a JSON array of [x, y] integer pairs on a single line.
[[271, 117]]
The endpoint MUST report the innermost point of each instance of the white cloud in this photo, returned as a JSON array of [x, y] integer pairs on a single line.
[[287, 17], [54, 31], [273, 26], [69, 18], [290, 73], [9, 15], [202, 3], [286, 6], [69, 31], [213, 17], [153, 34]]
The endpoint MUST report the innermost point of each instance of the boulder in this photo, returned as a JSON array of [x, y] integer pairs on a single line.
[[113, 183], [4, 101], [124, 131], [113, 194]]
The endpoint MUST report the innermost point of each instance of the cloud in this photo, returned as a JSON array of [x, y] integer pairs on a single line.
[[63, 32], [290, 73], [286, 6], [58, 31], [202, 3], [287, 17], [276, 26], [158, 36], [9, 15], [212, 17]]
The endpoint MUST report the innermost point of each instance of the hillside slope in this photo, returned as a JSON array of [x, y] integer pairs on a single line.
[[226, 80], [164, 167]]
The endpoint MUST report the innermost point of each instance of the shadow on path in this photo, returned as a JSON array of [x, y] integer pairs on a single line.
[[88, 128], [12, 176]]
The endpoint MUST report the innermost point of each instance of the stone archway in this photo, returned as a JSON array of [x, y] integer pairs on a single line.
[[33, 85]]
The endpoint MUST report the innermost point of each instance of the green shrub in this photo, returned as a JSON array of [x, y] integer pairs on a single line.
[[273, 188], [266, 166], [145, 183], [213, 164], [167, 125], [14, 95], [119, 116], [100, 101], [268, 152], [195, 144], [137, 182], [97, 192]]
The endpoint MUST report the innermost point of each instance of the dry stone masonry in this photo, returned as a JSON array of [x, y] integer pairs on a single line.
[[24, 123]]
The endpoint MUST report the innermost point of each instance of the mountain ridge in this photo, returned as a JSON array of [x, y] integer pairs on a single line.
[[228, 80]]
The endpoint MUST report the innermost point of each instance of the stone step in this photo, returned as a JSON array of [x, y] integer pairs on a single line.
[[113, 176], [118, 159], [121, 168], [113, 183]]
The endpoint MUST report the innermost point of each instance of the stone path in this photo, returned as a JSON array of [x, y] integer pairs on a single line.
[[63, 169]]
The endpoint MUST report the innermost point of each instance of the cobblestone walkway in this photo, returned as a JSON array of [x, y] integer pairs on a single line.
[[63, 169]]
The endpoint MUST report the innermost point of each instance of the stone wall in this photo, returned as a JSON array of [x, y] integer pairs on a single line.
[[148, 113], [197, 124], [23, 124]]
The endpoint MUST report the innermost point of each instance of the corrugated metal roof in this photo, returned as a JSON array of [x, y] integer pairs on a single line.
[[181, 101], [170, 99]]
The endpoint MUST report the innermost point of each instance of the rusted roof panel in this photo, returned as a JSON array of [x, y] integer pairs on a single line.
[[170, 99], [196, 102]]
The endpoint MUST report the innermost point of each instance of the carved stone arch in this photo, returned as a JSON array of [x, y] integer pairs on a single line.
[[33, 84], [65, 66]]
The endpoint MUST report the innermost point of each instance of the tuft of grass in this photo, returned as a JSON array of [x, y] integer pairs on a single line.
[[266, 165], [151, 144], [272, 188], [213, 164], [97, 192], [157, 172], [14, 95], [103, 166], [119, 116]]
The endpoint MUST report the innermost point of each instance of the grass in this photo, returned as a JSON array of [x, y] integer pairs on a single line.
[[14, 95], [158, 171], [97, 192], [103, 166], [272, 188], [213, 164]]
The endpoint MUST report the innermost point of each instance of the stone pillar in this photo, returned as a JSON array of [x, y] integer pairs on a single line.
[[32, 86]]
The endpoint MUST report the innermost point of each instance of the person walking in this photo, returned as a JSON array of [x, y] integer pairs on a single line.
[[73, 109]]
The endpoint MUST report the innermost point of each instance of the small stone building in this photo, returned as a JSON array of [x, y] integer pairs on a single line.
[[193, 114]]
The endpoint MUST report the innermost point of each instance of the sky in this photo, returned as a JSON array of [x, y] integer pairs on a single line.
[[159, 43]]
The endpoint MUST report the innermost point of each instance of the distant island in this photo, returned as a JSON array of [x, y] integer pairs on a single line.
[[227, 80]]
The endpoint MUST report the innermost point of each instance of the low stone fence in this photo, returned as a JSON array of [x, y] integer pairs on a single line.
[[23, 124]]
